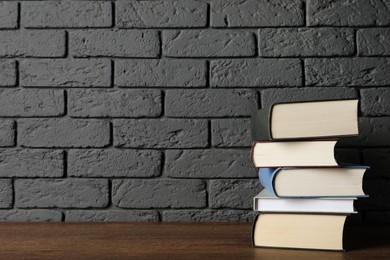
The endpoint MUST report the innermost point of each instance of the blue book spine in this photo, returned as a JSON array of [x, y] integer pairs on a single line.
[[266, 176]]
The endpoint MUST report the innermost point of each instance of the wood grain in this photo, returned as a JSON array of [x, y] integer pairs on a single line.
[[166, 241]]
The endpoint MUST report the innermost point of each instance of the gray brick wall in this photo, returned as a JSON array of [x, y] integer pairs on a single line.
[[139, 110]]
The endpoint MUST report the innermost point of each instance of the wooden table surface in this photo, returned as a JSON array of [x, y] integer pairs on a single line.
[[166, 241]]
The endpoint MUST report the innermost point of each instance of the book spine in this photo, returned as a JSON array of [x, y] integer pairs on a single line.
[[266, 177], [260, 125]]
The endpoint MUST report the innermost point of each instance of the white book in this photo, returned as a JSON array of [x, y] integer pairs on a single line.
[[267, 202]]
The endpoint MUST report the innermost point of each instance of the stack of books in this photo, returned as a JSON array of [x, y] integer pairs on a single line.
[[308, 194]]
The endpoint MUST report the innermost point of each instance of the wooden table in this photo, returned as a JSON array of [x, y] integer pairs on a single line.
[[166, 241]]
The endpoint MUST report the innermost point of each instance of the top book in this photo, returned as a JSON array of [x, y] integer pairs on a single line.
[[320, 119]]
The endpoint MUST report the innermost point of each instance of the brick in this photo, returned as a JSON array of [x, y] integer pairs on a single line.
[[208, 215], [256, 13], [111, 215], [291, 42], [5, 193], [273, 96], [256, 73], [114, 103], [375, 102], [32, 43], [378, 160], [65, 193], [208, 43], [160, 133], [63, 133], [31, 163], [7, 73], [377, 217], [65, 73], [161, 14], [379, 191], [160, 73], [158, 193], [348, 72], [202, 164], [31, 103], [373, 41], [210, 103], [32, 215], [116, 43], [114, 163], [348, 13], [232, 132], [233, 193], [66, 14], [7, 133], [8, 15], [372, 132]]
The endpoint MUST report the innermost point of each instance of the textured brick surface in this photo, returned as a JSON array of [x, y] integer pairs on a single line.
[[137, 110], [64, 14], [7, 133], [276, 42], [116, 43], [160, 73], [348, 13], [60, 133], [8, 15], [27, 103], [114, 103], [7, 73], [70, 193], [65, 73], [5, 193], [114, 163], [31, 163], [273, 96], [254, 13], [210, 103], [161, 14], [375, 102], [208, 215], [30, 215], [111, 215], [208, 43], [160, 133], [348, 72], [159, 193], [231, 132], [233, 193], [256, 73], [32, 43], [374, 41], [202, 164]]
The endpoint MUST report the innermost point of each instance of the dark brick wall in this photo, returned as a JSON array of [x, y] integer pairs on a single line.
[[139, 110]]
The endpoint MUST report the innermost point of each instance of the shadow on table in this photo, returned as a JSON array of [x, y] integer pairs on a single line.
[[357, 237]]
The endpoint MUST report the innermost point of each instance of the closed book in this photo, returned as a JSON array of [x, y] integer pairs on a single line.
[[266, 201], [289, 182], [299, 231], [304, 120], [319, 153]]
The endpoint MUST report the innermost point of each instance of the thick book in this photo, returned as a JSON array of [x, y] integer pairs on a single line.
[[266, 201], [289, 182], [299, 231], [320, 119], [318, 153]]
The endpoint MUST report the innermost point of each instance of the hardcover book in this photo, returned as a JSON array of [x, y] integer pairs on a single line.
[[289, 182], [299, 231], [302, 120], [266, 201]]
